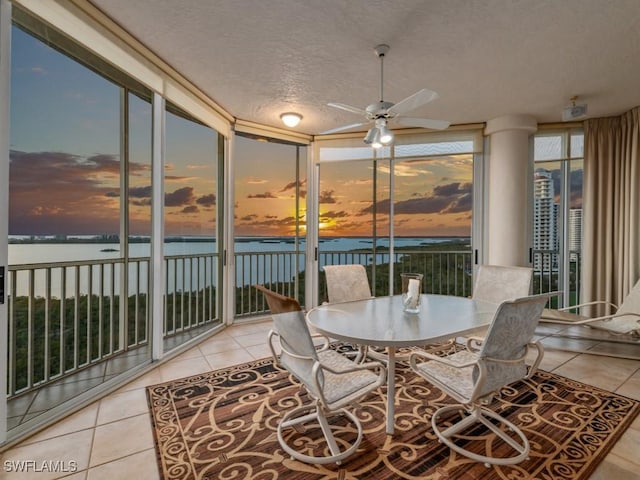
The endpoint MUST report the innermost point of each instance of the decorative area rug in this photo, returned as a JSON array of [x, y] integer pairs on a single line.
[[222, 425]]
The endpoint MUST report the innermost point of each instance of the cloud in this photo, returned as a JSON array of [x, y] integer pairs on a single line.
[[450, 198], [207, 200], [190, 209], [326, 196], [292, 185], [255, 181], [262, 195], [248, 218], [140, 192], [333, 214], [180, 197], [268, 222]]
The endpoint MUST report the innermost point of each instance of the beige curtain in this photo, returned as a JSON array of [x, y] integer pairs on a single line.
[[611, 207]]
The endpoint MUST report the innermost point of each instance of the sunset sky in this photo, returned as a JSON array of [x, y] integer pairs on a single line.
[[65, 169]]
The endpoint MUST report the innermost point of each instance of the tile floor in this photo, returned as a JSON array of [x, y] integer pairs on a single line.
[[112, 438]]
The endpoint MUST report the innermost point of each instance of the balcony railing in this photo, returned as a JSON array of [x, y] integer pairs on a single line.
[[445, 272], [66, 316]]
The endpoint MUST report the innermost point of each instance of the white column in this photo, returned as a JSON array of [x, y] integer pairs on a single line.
[[509, 188], [157, 228]]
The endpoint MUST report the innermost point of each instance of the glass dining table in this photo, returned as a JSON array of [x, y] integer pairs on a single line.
[[381, 322]]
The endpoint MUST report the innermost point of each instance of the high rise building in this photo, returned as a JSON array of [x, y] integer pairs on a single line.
[[545, 222], [575, 233]]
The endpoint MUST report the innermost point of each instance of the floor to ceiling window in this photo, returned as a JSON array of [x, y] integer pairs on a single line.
[[557, 213], [405, 208], [190, 226], [270, 218], [353, 212], [69, 265], [433, 206]]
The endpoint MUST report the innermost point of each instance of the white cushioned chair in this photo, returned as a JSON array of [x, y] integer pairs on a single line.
[[333, 381], [496, 283], [346, 283], [473, 377]]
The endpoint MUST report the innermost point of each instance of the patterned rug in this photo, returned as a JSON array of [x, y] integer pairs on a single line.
[[222, 424]]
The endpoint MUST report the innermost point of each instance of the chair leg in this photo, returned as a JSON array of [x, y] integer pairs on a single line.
[[295, 417], [479, 415]]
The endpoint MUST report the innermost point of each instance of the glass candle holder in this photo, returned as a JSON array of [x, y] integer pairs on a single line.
[[411, 289]]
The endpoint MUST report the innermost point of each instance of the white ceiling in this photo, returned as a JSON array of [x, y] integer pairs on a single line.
[[486, 58]]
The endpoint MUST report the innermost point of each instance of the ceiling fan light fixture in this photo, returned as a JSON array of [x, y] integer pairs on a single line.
[[370, 136], [291, 119], [386, 135]]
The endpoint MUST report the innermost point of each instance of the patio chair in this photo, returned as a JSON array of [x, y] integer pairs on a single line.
[[333, 382], [473, 377], [346, 283], [277, 302], [625, 320], [495, 283]]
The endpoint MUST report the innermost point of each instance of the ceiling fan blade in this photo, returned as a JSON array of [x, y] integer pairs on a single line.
[[344, 127], [414, 101], [349, 108], [423, 122]]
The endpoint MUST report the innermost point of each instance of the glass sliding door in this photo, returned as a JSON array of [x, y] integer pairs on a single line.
[[191, 247], [270, 221]]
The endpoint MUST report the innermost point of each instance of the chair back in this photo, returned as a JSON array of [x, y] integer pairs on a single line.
[[278, 303], [346, 283], [495, 284], [512, 328], [631, 303], [295, 339]]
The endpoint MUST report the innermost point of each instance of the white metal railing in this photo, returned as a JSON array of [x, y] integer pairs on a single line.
[[66, 316]]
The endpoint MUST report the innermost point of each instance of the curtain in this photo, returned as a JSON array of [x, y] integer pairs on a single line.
[[611, 208]]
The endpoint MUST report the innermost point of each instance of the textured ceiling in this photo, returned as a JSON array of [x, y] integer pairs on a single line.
[[486, 58]]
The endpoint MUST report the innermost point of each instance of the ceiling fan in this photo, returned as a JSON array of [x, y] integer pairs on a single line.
[[380, 113]]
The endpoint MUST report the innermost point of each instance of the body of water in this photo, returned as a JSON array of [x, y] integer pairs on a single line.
[[29, 253], [254, 264]]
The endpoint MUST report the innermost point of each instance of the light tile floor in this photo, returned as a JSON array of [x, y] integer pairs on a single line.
[[112, 438]]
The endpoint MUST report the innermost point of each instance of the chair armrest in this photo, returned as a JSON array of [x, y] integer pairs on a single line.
[[422, 354], [473, 343], [326, 339], [532, 369], [586, 304], [623, 314], [270, 338], [272, 335]]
